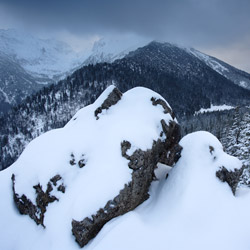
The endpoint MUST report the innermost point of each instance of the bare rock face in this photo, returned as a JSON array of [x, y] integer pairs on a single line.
[[165, 150]]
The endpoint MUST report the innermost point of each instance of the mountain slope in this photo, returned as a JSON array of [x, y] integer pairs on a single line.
[[15, 83], [237, 76]]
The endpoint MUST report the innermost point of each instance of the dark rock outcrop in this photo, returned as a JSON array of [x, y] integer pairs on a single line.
[[112, 99], [231, 177], [165, 150], [81, 162], [37, 212], [166, 108]]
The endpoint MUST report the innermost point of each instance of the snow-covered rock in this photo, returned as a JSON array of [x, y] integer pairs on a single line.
[[192, 209], [77, 178]]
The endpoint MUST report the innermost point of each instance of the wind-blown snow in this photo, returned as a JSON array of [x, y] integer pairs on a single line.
[[214, 108]]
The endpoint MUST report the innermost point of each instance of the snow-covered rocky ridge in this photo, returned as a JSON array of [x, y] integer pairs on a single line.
[[101, 165]]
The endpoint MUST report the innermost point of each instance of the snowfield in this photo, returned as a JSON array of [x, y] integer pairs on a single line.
[[214, 108], [191, 209]]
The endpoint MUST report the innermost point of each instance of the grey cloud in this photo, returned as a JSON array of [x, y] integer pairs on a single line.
[[185, 21]]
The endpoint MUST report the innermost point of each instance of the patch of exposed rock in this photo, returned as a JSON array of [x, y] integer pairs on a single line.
[[231, 177], [167, 109], [43, 199], [113, 97]]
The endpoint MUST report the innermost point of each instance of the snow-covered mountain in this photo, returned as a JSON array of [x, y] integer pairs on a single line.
[[91, 184], [46, 59], [27, 63]]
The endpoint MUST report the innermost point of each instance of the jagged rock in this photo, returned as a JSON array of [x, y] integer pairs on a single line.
[[82, 162], [142, 163], [37, 212], [231, 177], [111, 100], [165, 106]]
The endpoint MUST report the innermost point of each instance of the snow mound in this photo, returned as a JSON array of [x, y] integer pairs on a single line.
[[70, 173]]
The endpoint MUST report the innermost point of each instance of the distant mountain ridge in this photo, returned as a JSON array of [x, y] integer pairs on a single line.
[[28, 63]]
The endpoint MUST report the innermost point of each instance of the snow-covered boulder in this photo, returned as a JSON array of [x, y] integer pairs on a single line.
[[77, 178]]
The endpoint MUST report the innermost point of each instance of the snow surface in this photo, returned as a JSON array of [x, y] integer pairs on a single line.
[[214, 108]]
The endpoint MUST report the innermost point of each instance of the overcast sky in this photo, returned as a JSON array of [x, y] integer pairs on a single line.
[[218, 27]]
